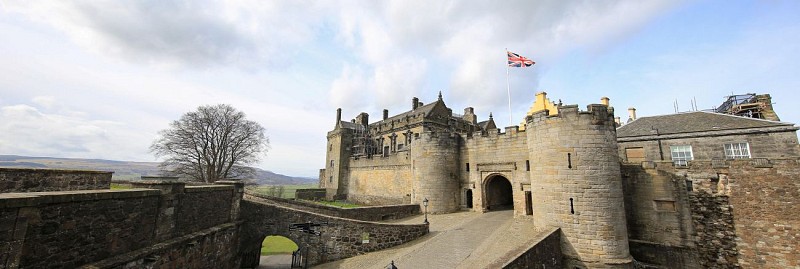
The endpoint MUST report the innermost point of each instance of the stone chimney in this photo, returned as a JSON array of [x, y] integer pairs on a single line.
[[469, 115], [414, 103], [338, 115], [363, 119], [631, 113], [385, 114], [604, 100], [617, 120]]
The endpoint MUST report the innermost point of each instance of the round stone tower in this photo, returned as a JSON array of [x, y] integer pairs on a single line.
[[576, 184], [434, 169]]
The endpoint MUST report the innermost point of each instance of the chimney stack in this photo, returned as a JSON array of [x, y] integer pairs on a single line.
[[338, 115], [385, 114], [632, 113], [414, 103], [604, 100], [617, 120]]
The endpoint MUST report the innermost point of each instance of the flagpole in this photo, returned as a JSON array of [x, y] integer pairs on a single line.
[[508, 90]]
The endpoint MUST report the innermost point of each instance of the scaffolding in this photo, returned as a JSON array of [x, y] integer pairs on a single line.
[[748, 105], [363, 144]]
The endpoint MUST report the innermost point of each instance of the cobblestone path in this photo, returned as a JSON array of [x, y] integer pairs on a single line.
[[458, 240]]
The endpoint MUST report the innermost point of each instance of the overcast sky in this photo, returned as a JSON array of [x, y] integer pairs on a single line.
[[99, 79]]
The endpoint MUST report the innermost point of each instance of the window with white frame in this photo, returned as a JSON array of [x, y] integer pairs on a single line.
[[737, 151], [681, 154]]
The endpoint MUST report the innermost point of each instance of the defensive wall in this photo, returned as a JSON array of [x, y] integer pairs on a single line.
[[38, 180], [365, 213], [164, 225], [380, 180], [545, 253], [339, 238], [739, 211], [486, 155]]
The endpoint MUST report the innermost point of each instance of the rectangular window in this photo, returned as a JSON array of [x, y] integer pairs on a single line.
[[467, 167], [681, 155], [399, 146], [527, 165], [330, 179], [331, 163], [737, 151], [634, 155]]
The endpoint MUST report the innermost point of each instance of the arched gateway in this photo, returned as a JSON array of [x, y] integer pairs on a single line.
[[498, 194]]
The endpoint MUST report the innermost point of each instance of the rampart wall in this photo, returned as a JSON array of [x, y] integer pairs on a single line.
[[38, 180], [69, 229]]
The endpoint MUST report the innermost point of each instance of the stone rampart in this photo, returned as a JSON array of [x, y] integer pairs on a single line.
[[365, 213], [340, 238], [380, 180], [760, 192], [74, 228], [545, 253], [38, 180]]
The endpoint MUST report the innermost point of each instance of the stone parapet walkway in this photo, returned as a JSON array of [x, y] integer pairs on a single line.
[[458, 240]]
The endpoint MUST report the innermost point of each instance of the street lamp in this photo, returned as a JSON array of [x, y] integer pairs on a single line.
[[425, 203]]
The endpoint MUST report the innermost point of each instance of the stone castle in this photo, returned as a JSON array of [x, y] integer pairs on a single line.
[[562, 168]]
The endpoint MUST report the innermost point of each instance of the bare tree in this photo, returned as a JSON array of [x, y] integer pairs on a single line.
[[212, 143], [280, 191]]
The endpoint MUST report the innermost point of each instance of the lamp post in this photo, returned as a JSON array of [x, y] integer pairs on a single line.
[[425, 203]]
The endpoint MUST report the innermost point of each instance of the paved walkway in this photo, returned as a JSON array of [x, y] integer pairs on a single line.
[[280, 261], [458, 240]]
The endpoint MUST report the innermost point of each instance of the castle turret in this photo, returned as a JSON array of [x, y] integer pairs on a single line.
[[576, 184], [434, 171]]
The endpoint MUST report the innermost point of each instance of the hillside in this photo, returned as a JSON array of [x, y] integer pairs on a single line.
[[129, 170]]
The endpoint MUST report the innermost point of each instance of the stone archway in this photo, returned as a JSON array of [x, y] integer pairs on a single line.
[[498, 193]]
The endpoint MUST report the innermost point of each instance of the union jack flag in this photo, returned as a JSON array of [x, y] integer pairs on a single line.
[[515, 60]]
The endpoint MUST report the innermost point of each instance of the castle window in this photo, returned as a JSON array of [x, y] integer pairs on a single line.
[[527, 165], [681, 155], [330, 147], [331, 163], [399, 146], [467, 167], [330, 179], [737, 151]]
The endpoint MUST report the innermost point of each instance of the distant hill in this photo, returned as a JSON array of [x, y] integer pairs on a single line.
[[129, 170]]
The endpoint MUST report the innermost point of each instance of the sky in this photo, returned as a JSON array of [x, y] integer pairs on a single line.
[[100, 79]]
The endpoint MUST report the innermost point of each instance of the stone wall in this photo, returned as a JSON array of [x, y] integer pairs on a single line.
[[38, 180], [74, 228], [309, 194], [716, 235], [340, 238], [365, 213], [659, 218], [495, 153], [544, 254], [380, 180], [759, 195]]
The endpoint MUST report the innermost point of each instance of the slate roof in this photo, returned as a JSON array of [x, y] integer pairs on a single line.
[[690, 122]]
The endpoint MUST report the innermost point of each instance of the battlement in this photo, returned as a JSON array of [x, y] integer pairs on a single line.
[[595, 114], [508, 131]]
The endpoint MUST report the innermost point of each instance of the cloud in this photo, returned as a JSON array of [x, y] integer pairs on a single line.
[[250, 34], [468, 38]]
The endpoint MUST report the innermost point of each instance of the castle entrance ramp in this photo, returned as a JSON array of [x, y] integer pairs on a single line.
[[458, 240]]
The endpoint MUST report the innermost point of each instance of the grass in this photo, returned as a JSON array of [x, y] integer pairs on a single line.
[[274, 244], [338, 204], [288, 190]]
